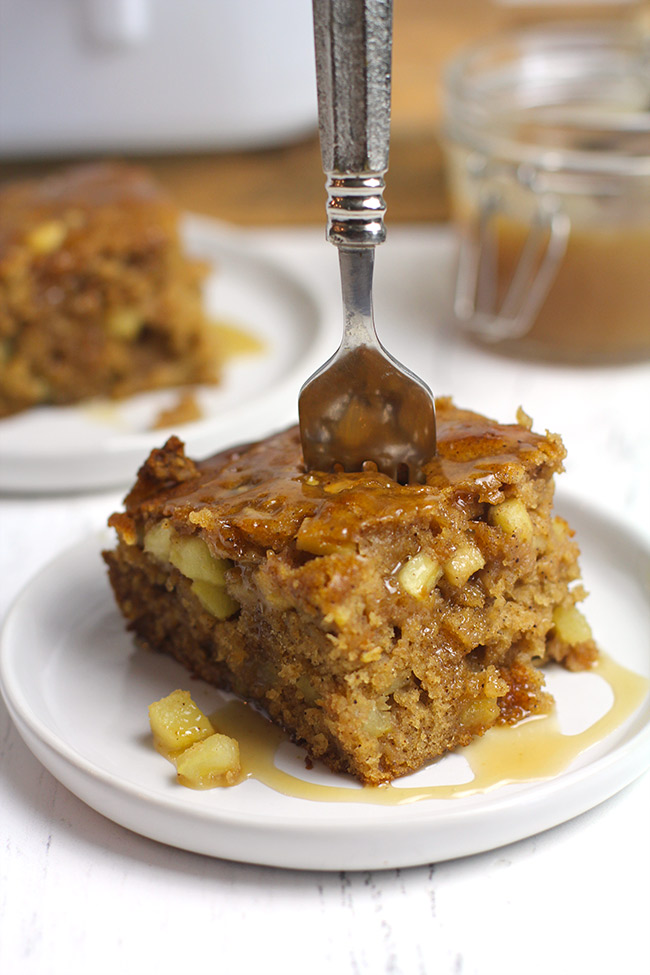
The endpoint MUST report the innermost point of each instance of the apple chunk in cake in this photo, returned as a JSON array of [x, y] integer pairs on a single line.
[[380, 624]]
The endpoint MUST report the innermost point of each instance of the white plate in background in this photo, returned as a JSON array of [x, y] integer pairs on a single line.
[[102, 444], [78, 691]]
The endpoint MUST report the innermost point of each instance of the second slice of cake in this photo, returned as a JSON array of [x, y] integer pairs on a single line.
[[380, 624], [97, 295]]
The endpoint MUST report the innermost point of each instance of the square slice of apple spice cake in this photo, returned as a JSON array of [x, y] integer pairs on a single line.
[[380, 624]]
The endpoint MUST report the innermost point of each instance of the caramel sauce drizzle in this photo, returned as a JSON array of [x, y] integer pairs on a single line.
[[531, 750], [235, 340]]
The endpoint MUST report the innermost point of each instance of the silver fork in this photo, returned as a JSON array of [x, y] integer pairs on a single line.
[[362, 408]]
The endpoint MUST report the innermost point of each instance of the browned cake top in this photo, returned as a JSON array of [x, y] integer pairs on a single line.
[[258, 497], [98, 194]]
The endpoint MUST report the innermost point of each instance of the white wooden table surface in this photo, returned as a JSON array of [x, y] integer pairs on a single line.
[[82, 896]]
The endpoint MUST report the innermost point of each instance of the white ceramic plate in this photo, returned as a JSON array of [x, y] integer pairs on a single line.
[[78, 692], [102, 444]]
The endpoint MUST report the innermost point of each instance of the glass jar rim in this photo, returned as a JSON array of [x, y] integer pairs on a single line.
[[558, 96]]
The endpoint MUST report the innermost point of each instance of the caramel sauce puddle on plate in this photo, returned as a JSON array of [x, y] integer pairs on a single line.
[[534, 749]]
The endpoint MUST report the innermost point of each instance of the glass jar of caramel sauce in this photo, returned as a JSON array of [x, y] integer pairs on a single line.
[[547, 135]]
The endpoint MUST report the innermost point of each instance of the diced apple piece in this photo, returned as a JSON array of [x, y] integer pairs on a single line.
[[47, 237], [513, 518], [210, 763], [479, 713], [176, 723], [311, 538], [466, 560], [214, 599], [378, 722], [125, 323], [157, 540], [419, 575], [570, 625], [193, 558]]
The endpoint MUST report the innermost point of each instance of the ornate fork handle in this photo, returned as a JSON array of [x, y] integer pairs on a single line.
[[353, 72]]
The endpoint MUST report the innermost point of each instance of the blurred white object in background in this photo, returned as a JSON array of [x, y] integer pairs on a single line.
[[118, 21], [148, 75]]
